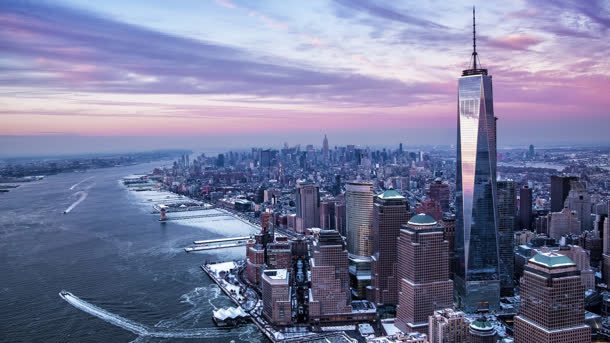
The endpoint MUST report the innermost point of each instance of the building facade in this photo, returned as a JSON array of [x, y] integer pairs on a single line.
[[308, 204], [477, 277], [507, 212], [330, 296], [275, 289], [389, 215], [359, 222], [423, 269], [525, 208], [448, 326], [560, 188], [552, 302]]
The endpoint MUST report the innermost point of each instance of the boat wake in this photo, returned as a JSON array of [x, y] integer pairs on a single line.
[[138, 328], [78, 183], [83, 196]]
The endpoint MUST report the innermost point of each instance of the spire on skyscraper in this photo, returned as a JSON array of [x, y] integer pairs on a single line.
[[475, 63]]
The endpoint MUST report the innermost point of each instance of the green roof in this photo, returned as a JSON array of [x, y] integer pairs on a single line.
[[390, 194], [482, 325], [422, 219], [552, 259]]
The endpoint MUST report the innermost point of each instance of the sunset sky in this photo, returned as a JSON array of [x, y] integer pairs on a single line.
[[82, 76]]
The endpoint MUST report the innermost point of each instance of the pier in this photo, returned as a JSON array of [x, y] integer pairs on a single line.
[[237, 292], [220, 243]]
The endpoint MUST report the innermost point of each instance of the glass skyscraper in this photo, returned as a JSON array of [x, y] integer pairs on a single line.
[[477, 279]]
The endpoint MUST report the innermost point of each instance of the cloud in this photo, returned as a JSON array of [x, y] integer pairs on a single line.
[[514, 41], [387, 13], [64, 48]]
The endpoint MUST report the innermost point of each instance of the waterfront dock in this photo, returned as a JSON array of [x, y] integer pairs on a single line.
[[220, 243], [226, 276]]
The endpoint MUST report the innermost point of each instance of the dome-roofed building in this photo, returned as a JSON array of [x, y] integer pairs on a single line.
[[423, 273]]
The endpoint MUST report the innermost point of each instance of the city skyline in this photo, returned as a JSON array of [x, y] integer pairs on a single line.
[[203, 72]]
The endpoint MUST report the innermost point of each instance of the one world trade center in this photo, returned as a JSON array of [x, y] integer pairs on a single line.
[[477, 279]]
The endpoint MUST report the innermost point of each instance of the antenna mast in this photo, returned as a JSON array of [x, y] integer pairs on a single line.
[[474, 40]]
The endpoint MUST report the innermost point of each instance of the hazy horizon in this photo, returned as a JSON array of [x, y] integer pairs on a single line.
[[108, 76]]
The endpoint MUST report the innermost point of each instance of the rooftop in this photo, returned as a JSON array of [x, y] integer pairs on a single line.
[[552, 259], [390, 194], [276, 274], [422, 219]]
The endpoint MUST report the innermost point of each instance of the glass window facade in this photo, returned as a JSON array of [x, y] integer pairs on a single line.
[[476, 242]]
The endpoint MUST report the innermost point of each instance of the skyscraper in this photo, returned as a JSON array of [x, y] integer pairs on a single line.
[[439, 192], [552, 302], [359, 221], [423, 272], [275, 289], [560, 188], [477, 274], [389, 214], [308, 204], [525, 207], [330, 292], [579, 201], [506, 227], [325, 148]]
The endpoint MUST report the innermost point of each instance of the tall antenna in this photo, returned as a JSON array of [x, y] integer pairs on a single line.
[[475, 64], [474, 40]]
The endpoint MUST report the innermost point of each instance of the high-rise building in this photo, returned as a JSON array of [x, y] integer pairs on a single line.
[[531, 152], [330, 294], [552, 302], [525, 208], [606, 249], [359, 222], [308, 204], [325, 148], [579, 201], [340, 217], [389, 214], [275, 289], [560, 188], [507, 212], [423, 271], [431, 208], [448, 326], [439, 192], [563, 223], [477, 278], [327, 214]]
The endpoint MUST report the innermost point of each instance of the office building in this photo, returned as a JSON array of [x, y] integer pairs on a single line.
[[389, 215], [579, 201], [448, 326], [563, 223], [560, 188], [327, 214], [552, 302], [330, 296], [308, 205], [359, 222], [507, 212], [477, 278], [423, 269], [525, 208], [481, 330], [439, 192], [275, 289]]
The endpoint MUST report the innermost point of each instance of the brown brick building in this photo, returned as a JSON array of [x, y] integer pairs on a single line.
[[275, 287], [423, 269], [552, 302]]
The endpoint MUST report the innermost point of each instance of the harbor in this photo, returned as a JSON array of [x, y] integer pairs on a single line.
[[227, 276]]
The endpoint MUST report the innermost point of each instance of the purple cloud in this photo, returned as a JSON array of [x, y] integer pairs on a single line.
[[69, 49]]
